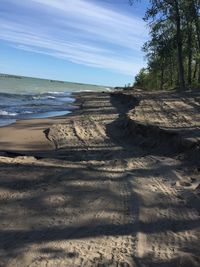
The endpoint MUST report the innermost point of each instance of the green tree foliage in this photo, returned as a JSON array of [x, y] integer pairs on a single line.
[[173, 51]]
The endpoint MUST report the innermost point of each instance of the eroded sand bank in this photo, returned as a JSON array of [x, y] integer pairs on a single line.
[[92, 192]]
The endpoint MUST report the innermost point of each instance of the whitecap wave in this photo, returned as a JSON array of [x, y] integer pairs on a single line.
[[43, 97], [108, 89], [7, 113], [58, 93], [83, 90], [27, 112]]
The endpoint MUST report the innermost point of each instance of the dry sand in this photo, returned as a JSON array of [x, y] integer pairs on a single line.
[[93, 190]]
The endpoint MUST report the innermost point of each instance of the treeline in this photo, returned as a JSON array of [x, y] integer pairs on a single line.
[[173, 52]]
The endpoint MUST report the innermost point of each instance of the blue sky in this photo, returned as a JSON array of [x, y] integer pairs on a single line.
[[88, 41]]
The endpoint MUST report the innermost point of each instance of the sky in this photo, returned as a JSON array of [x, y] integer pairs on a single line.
[[87, 41]]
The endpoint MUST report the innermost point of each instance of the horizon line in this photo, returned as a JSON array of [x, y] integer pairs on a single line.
[[48, 79]]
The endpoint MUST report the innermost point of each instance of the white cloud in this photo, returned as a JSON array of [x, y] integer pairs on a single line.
[[78, 31]]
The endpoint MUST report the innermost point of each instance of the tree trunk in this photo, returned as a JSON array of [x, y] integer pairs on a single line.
[[199, 72], [189, 44], [171, 71], [162, 76], [195, 70], [197, 25], [179, 46]]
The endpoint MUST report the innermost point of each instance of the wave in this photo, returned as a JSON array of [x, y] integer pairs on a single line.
[[27, 112], [101, 89], [7, 113], [108, 89], [83, 90], [67, 99], [58, 93], [43, 97], [40, 105]]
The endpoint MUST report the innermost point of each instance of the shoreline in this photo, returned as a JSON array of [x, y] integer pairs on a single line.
[[35, 106], [28, 134], [11, 117]]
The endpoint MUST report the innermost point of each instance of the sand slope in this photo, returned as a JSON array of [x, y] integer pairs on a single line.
[[103, 198]]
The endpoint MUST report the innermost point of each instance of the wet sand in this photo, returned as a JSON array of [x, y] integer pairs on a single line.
[[99, 188]]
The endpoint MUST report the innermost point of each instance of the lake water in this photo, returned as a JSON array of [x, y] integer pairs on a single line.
[[25, 98]]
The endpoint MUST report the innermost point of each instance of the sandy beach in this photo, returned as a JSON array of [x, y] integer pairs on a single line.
[[115, 183]]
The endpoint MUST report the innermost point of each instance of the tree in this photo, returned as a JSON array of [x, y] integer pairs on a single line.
[[173, 51], [169, 10]]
